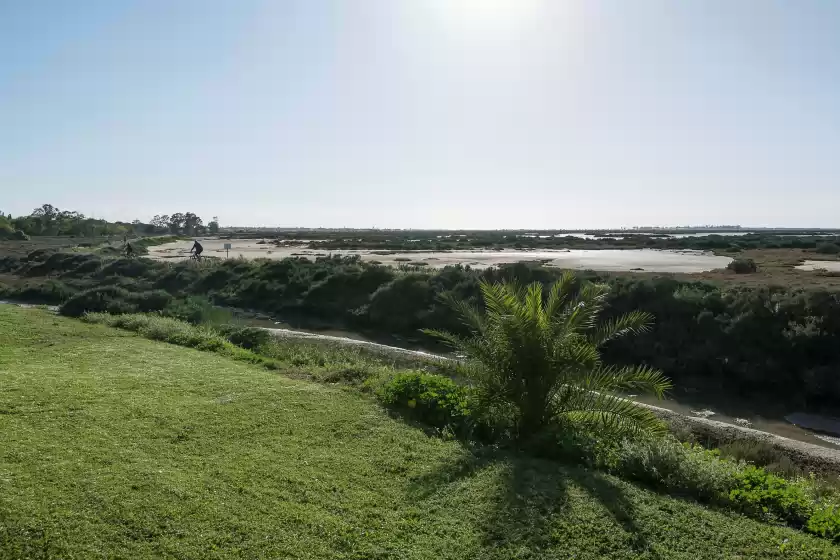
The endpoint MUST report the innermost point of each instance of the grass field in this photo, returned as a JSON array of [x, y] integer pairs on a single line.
[[119, 447]]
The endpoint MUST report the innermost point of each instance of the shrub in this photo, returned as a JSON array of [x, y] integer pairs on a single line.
[[761, 493], [251, 338], [825, 522], [684, 469], [50, 292], [760, 454], [9, 264], [110, 299], [742, 266], [7, 232], [164, 329], [828, 248], [196, 310], [433, 399], [154, 300]]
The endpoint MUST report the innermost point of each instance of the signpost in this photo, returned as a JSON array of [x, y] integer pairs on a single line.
[[227, 250]]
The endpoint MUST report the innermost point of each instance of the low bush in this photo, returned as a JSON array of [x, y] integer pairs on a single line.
[[109, 299], [433, 399], [683, 469], [197, 310], [828, 248], [825, 522], [166, 329], [9, 264], [251, 338], [743, 266], [153, 300], [761, 454], [49, 292], [761, 493]]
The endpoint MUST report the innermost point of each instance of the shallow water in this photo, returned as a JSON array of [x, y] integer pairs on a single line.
[[832, 266], [604, 260]]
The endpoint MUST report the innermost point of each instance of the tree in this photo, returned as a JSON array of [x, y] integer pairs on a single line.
[[192, 223], [214, 225], [538, 357], [176, 223]]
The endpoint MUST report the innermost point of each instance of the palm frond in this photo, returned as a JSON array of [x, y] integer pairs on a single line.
[[635, 323], [559, 294], [637, 379], [470, 316], [611, 415]]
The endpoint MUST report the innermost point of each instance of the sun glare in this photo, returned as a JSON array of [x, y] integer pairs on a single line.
[[486, 15]]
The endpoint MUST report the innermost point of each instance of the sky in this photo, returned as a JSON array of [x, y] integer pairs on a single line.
[[424, 113]]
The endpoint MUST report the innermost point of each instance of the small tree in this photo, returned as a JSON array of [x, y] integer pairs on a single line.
[[538, 357], [742, 266]]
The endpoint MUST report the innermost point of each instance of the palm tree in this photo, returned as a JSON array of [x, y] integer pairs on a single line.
[[539, 357]]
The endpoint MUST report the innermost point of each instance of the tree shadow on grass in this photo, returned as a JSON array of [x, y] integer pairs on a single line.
[[614, 499], [527, 495]]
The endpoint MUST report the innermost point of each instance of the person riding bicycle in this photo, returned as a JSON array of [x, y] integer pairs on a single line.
[[129, 250], [196, 249]]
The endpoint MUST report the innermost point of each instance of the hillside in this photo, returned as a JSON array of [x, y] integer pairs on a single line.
[[119, 447]]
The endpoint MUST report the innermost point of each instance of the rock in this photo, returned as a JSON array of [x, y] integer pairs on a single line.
[[702, 413], [743, 422]]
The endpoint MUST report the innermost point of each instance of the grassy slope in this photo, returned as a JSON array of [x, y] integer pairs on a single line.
[[116, 446]]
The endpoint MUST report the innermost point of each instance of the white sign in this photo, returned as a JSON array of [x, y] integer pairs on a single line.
[[227, 246]]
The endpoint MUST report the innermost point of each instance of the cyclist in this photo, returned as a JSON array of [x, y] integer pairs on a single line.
[[196, 250], [129, 250]]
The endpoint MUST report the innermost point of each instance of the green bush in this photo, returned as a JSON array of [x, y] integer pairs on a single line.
[[761, 454], [251, 338], [760, 493], [110, 299], [828, 248], [433, 399], [50, 292], [165, 329], [825, 522], [196, 310], [153, 300], [743, 266], [679, 468]]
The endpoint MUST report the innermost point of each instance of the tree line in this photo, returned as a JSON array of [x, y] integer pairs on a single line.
[[48, 220]]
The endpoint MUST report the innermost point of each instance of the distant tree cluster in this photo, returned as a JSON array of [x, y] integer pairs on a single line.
[[50, 220], [184, 224]]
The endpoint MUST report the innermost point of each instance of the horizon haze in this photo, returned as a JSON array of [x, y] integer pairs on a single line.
[[426, 114]]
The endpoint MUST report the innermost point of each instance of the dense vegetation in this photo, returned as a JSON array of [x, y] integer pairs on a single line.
[[120, 447], [826, 242], [49, 220], [771, 341], [535, 360]]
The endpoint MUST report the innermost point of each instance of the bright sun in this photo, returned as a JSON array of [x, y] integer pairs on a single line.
[[490, 15]]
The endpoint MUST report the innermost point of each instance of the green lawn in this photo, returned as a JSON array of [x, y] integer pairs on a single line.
[[114, 446]]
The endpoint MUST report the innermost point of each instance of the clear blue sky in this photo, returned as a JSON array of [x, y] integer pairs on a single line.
[[424, 113]]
